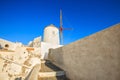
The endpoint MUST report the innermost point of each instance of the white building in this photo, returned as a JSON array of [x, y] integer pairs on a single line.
[[50, 40], [51, 35]]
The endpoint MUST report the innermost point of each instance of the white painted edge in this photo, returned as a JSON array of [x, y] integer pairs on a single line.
[[43, 61], [51, 74]]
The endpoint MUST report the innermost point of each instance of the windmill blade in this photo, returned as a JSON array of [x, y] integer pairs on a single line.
[[61, 19], [61, 28], [61, 37], [67, 28]]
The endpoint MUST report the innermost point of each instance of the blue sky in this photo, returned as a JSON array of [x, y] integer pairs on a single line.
[[23, 20]]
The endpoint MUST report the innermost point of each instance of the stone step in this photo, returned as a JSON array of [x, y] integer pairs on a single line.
[[48, 66], [53, 78], [50, 71], [51, 74]]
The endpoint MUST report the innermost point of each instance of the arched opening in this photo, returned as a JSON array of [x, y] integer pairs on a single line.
[[6, 46]]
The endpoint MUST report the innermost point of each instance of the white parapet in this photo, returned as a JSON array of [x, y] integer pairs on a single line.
[[45, 49]]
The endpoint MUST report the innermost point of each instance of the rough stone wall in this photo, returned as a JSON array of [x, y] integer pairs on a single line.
[[35, 43], [18, 63], [4, 42], [96, 57]]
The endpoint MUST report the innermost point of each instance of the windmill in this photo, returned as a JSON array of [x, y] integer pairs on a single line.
[[61, 28]]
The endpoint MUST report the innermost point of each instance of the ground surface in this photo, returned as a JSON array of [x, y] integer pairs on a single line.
[[49, 67]]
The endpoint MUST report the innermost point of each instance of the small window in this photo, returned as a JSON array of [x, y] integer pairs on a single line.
[[6, 45]]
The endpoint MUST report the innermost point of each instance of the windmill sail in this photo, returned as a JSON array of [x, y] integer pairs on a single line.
[[61, 28]]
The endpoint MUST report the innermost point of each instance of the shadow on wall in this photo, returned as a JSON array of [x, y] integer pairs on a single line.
[[53, 67], [59, 53], [1, 47], [60, 60]]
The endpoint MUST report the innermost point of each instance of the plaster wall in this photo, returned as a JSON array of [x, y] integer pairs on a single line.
[[96, 57], [3, 42], [45, 49], [51, 35]]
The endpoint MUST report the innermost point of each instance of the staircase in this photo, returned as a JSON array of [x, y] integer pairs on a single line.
[[51, 72], [48, 71]]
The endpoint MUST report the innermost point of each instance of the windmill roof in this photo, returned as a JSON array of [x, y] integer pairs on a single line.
[[51, 25]]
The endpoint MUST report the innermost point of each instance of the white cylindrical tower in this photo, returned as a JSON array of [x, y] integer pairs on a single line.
[[51, 35]]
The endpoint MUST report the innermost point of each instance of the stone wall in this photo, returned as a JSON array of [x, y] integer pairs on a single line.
[[96, 57], [18, 63], [3, 42]]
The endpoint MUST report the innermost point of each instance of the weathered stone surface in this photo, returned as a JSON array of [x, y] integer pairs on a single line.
[[96, 57], [5, 42], [35, 43], [4, 76], [18, 62], [10, 45], [33, 75]]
